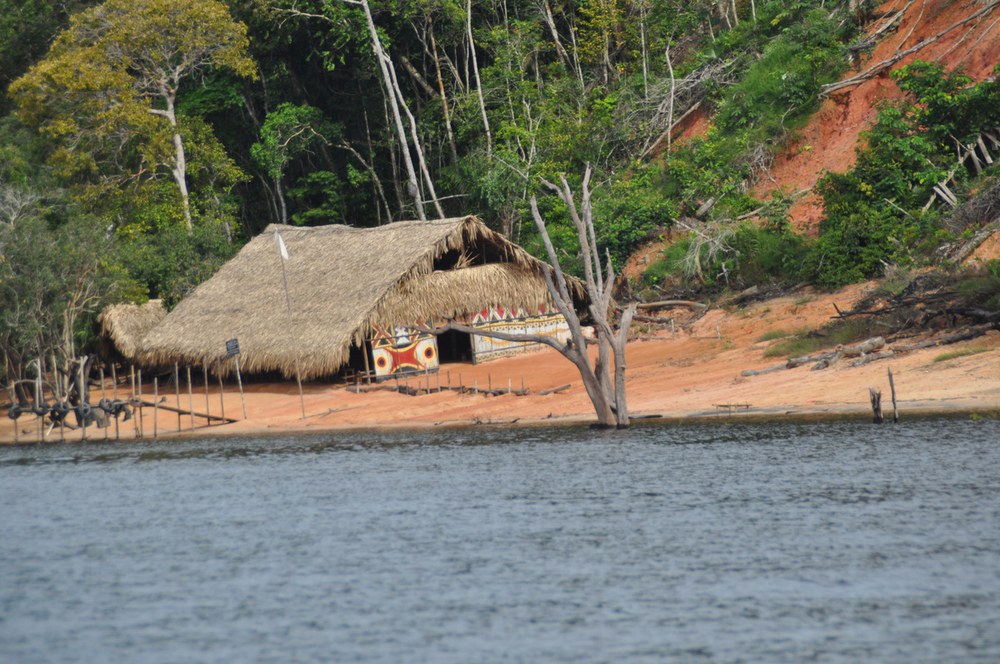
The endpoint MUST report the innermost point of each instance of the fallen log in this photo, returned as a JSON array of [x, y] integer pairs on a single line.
[[794, 362], [760, 372], [863, 348], [879, 67], [554, 390], [906, 348], [150, 404], [872, 357], [964, 335], [663, 304]]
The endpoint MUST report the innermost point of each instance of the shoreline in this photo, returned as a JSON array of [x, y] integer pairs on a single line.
[[912, 410], [677, 377]]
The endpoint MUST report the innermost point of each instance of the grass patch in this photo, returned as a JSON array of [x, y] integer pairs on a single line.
[[797, 345], [834, 334], [965, 352], [771, 335]]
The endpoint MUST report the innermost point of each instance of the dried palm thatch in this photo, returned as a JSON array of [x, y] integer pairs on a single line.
[[342, 282], [449, 294], [124, 325]]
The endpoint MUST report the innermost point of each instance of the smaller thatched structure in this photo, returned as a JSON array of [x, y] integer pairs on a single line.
[[345, 287], [123, 327]]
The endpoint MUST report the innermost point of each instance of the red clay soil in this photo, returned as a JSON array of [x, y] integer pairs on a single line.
[[682, 376], [829, 141]]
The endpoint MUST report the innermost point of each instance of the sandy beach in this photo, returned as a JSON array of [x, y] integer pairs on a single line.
[[681, 374]]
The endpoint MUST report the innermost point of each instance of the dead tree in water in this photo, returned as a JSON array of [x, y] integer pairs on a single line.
[[605, 379]]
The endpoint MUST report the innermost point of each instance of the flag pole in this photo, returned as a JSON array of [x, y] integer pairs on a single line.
[[283, 254]]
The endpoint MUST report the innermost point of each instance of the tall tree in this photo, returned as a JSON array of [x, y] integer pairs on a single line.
[[604, 377], [122, 60]]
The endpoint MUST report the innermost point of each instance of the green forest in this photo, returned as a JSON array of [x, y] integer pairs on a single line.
[[142, 142]]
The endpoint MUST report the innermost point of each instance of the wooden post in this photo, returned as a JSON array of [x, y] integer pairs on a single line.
[[57, 395], [208, 410], [142, 428], [489, 381], [892, 390], [368, 369], [298, 379], [190, 397], [876, 399], [177, 394], [239, 381], [38, 392], [156, 404], [83, 396], [222, 398], [102, 399], [13, 402], [132, 402], [114, 394]]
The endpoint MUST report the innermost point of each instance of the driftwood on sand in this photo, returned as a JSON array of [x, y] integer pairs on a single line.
[[871, 350]]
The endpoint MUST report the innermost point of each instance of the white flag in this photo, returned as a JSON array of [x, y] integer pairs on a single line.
[[282, 249]]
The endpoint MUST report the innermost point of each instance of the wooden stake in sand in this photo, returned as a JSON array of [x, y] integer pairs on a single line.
[[38, 398], [222, 398], [177, 394], [156, 403], [57, 394], [139, 406], [239, 381], [83, 396], [208, 410], [283, 255], [13, 402], [114, 394], [190, 397], [892, 390], [876, 399], [133, 402], [102, 399]]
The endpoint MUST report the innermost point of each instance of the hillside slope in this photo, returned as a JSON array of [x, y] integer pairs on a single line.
[[828, 141]]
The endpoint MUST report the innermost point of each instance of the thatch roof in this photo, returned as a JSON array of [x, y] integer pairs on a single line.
[[126, 324], [341, 282]]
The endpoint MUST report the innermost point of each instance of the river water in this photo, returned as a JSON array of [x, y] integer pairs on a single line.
[[726, 542]]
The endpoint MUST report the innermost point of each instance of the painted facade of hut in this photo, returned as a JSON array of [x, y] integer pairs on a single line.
[[357, 298]]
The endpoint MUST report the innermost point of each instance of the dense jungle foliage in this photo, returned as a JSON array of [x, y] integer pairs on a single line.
[[142, 142]]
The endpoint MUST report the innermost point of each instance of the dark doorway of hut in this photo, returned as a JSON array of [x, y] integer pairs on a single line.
[[454, 346], [359, 365]]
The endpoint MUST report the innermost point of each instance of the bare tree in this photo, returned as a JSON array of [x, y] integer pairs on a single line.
[[16, 202], [604, 379]]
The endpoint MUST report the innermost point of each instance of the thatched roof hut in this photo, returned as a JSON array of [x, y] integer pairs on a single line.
[[342, 281], [124, 325]]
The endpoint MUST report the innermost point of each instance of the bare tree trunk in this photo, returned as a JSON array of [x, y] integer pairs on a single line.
[[376, 183], [416, 143], [179, 169], [673, 90], [479, 83], [444, 101], [384, 64], [642, 41], [280, 195], [576, 58]]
